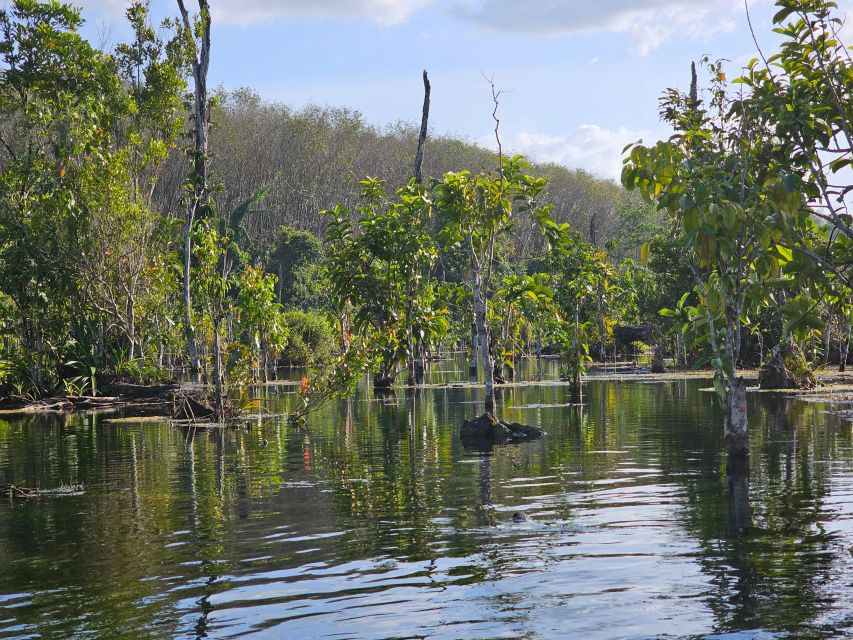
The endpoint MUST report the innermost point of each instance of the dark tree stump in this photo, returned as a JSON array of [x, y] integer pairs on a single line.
[[657, 360], [189, 408], [382, 382]]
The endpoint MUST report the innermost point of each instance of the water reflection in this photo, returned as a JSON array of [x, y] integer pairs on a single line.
[[373, 521]]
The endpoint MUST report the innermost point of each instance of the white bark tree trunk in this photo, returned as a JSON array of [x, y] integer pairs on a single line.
[[480, 311], [735, 423]]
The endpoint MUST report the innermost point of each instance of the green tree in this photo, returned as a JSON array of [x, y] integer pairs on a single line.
[[60, 100], [586, 289], [476, 210], [379, 269], [261, 323], [719, 177], [211, 286], [131, 245], [293, 255], [804, 94]]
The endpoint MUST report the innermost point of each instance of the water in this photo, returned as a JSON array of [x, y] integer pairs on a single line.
[[374, 522]]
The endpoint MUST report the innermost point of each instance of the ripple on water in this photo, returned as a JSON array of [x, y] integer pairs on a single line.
[[375, 522]]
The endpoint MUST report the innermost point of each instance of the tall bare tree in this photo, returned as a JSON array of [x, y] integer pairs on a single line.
[[198, 33], [419, 158]]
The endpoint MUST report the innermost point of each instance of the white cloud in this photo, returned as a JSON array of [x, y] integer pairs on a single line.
[[589, 147], [112, 9], [251, 12], [650, 23], [383, 12], [846, 31]]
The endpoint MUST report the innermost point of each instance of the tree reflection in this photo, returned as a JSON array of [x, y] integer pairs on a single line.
[[737, 494], [168, 521]]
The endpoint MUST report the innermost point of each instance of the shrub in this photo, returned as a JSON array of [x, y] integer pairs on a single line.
[[310, 337]]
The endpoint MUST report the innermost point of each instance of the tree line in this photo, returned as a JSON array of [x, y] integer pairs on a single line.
[[148, 228], [123, 185]]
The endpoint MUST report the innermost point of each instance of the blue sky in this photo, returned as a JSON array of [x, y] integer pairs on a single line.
[[582, 78]]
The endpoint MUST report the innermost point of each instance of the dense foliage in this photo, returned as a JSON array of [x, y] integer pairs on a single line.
[[147, 230]]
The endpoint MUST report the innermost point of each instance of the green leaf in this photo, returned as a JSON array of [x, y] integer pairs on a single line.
[[785, 253], [644, 253], [719, 387], [783, 14]]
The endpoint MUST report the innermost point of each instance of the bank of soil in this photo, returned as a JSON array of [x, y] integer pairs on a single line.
[[120, 394]]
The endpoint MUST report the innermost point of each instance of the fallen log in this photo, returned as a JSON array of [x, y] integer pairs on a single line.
[[13, 492], [123, 393], [11, 403], [24, 493], [144, 391]]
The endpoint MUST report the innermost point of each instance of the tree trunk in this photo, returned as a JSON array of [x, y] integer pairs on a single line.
[[844, 346], [472, 365], [480, 311], [420, 363], [410, 342], [576, 365], [201, 115], [419, 158], [131, 329], [192, 351], [657, 359], [682, 346], [602, 336], [774, 373], [382, 381], [218, 397], [735, 423]]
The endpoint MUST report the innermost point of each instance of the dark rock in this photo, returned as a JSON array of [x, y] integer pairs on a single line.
[[479, 427], [523, 431], [486, 430], [520, 516]]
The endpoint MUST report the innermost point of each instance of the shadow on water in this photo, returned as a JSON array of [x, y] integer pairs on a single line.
[[373, 521]]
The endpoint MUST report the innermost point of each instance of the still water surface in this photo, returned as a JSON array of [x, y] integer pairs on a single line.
[[373, 521]]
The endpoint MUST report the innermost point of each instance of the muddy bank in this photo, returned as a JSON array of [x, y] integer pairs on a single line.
[[119, 395], [833, 388]]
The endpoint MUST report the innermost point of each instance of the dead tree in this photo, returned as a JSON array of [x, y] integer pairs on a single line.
[[419, 158], [417, 359], [197, 202]]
